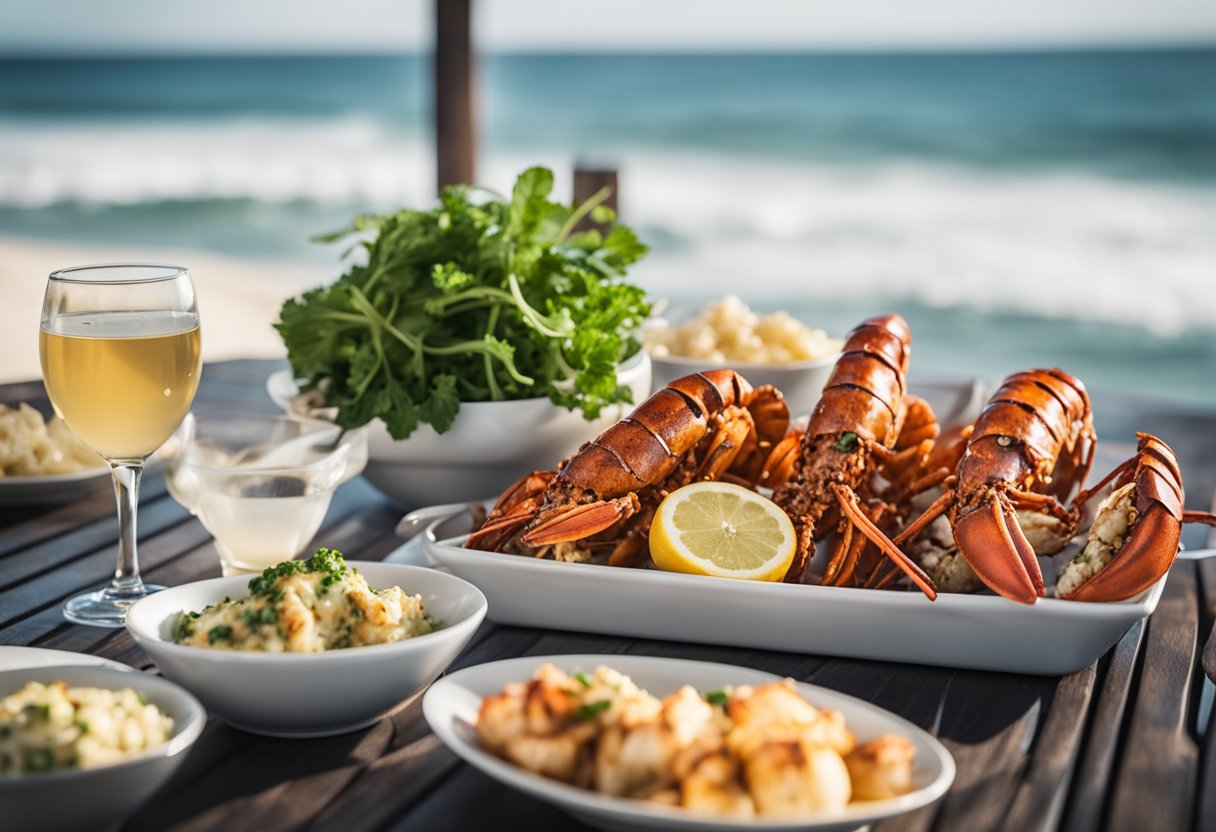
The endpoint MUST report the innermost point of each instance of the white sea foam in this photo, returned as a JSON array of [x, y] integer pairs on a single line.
[[1059, 244]]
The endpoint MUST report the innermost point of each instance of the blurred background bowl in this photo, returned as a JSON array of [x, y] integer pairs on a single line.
[[489, 446], [96, 798], [801, 381]]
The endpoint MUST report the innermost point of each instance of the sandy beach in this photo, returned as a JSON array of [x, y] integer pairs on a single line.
[[238, 299]]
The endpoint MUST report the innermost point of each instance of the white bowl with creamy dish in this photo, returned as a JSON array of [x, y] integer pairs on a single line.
[[774, 349], [82, 747], [309, 648]]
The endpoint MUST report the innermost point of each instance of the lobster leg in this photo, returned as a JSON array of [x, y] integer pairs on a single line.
[[735, 425], [1199, 517], [935, 510], [779, 466], [1122, 469], [577, 522], [993, 544], [850, 509], [1034, 502], [495, 533], [840, 554]]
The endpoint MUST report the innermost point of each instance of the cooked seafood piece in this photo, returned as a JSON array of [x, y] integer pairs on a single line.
[[881, 768], [745, 752]]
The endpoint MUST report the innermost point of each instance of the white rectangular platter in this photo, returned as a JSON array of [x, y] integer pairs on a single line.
[[978, 632]]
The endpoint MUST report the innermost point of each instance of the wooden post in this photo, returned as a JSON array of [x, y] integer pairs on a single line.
[[455, 94], [587, 183]]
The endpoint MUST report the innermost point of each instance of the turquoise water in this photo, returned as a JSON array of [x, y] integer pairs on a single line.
[[1019, 209]]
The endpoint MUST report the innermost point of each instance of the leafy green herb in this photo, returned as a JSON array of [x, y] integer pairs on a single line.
[[582, 679], [220, 632], [480, 298], [34, 710], [848, 442], [40, 760], [325, 560], [593, 709], [717, 697], [82, 725], [255, 618], [183, 627]]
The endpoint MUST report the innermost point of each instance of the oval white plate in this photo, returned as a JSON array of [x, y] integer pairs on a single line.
[[53, 488], [17, 658], [452, 703], [976, 632]]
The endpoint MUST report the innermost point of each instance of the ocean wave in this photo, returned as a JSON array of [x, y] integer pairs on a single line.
[[1068, 245], [349, 160]]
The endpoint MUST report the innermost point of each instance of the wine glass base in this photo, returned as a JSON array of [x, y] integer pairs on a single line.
[[105, 607]]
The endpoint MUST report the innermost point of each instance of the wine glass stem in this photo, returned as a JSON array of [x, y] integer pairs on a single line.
[[126, 488]]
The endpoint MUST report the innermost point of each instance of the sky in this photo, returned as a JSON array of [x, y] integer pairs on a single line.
[[123, 26]]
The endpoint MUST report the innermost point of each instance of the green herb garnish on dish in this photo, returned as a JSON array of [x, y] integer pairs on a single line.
[[481, 298]]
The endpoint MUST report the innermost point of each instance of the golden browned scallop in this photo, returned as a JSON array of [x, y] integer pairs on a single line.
[[788, 778], [713, 787], [881, 768]]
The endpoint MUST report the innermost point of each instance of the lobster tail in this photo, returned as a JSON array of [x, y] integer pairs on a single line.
[[993, 544], [864, 394]]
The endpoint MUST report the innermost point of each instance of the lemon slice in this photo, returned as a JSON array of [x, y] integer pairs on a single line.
[[715, 528]]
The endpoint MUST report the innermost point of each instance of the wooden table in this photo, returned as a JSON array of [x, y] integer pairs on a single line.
[[1120, 745]]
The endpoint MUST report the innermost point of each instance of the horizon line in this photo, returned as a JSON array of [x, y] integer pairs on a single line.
[[620, 51]]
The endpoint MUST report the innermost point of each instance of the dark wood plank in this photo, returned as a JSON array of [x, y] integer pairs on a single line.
[[1088, 795], [1205, 812], [1155, 781], [1039, 802]]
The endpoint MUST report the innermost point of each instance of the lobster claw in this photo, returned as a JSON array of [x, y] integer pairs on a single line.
[[577, 522], [993, 544]]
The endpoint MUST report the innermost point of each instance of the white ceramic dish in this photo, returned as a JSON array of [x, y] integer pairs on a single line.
[[800, 381], [978, 632], [310, 694], [53, 488], [451, 706], [15, 658], [96, 798], [488, 446]]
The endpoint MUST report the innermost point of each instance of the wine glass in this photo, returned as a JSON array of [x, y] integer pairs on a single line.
[[120, 361]]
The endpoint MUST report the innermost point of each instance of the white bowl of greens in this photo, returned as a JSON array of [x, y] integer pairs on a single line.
[[480, 338], [488, 446]]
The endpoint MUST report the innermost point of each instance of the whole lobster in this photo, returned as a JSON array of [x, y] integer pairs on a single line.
[[601, 501], [1032, 444], [859, 426]]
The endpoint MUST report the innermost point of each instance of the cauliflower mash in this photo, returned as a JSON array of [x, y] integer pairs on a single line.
[[306, 607], [728, 330], [31, 447], [45, 727]]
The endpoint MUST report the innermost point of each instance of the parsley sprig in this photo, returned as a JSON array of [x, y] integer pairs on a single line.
[[480, 298]]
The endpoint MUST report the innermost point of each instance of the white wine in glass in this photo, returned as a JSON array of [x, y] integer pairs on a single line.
[[120, 360]]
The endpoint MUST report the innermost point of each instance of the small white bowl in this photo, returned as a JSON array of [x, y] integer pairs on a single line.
[[310, 694], [96, 798], [800, 381], [488, 447]]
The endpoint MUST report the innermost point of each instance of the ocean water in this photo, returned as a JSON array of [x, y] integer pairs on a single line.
[[1019, 209]]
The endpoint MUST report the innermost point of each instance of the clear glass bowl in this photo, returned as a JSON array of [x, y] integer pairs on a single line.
[[260, 484]]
